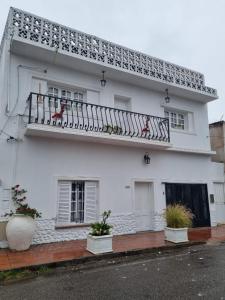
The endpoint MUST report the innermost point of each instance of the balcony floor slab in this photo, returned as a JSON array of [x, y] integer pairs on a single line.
[[91, 136]]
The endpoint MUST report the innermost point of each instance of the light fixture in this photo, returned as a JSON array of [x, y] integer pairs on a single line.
[[103, 81], [167, 98], [147, 158]]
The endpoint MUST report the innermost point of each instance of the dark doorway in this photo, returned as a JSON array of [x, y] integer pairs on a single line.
[[194, 197]]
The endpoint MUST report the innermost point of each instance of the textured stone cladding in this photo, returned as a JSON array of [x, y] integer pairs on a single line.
[[158, 222], [47, 233]]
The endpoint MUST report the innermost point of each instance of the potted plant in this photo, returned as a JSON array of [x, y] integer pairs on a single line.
[[99, 240], [108, 128], [178, 219], [21, 225], [117, 130]]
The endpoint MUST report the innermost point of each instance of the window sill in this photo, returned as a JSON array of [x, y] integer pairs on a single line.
[[182, 131], [64, 226]]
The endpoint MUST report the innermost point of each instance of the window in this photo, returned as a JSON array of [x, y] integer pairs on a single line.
[[177, 120], [66, 94], [123, 103], [77, 202], [78, 96], [54, 92]]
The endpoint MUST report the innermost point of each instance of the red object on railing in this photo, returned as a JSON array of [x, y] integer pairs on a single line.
[[146, 129], [58, 115]]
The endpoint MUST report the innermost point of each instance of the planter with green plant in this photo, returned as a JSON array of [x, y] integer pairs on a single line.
[[108, 128], [21, 225], [112, 129], [178, 219], [99, 240]]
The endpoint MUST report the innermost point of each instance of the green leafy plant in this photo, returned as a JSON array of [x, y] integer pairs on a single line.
[[21, 207], [112, 129], [117, 130], [178, 216], [101, 228], [108, 128]]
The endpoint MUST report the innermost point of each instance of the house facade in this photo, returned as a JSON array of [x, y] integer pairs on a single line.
[[87, 125]]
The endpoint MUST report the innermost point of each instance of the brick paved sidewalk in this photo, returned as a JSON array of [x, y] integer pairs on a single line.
[[70, 250]]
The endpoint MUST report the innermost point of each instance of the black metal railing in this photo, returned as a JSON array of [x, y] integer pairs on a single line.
[[55, 111]]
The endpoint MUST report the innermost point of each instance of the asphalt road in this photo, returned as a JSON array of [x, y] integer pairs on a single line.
[[192, 273]]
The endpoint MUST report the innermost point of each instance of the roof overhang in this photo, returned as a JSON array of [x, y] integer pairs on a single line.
[[27, 48]]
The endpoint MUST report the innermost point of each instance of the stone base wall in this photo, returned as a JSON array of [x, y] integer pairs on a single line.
[[158, 222], [47, 233]]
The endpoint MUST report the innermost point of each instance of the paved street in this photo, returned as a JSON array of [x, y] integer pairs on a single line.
[[191, 273]]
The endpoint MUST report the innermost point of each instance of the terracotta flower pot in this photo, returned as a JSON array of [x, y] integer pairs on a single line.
[[20, 231]]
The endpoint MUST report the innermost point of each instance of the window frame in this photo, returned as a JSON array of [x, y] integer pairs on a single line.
[[62, 92], [76, 201], [88, 181], [178, 120]]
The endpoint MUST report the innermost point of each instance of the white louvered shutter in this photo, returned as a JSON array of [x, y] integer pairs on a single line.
[[90, 201], [64, 202], [39, 86], [5, 198], [219, 193]]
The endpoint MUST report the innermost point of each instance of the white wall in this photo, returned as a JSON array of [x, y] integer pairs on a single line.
[[41, 161], [142, 100]]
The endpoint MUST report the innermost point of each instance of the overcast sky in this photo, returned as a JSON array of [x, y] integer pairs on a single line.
[[190, 33]]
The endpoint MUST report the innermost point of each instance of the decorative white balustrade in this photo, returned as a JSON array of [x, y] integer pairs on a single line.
[[43, 31]]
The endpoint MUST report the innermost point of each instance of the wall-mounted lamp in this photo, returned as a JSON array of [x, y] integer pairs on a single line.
[[103, 81], [167, 98], [11, 139], [147, 158]]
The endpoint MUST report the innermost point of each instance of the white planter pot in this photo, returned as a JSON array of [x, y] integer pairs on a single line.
[[3, 241], [19, 232], [99, 244], [176, 235]]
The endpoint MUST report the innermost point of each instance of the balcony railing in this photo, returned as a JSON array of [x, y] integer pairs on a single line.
[[66, 113]]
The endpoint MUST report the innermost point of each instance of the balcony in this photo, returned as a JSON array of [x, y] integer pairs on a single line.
[[39, 38], [64, 118]]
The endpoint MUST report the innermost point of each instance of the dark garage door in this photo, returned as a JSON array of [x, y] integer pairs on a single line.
[[194, 197]]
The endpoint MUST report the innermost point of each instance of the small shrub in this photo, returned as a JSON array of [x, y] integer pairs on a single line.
[[178, 216], [101, 228]]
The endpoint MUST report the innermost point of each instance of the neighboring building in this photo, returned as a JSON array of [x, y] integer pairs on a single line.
[[78, 143], [217, 138]]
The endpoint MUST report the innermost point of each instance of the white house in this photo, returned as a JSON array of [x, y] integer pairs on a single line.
[[80, 118]]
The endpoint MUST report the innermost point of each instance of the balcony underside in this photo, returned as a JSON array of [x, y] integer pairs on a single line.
[[66, 59], [48, 131]]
